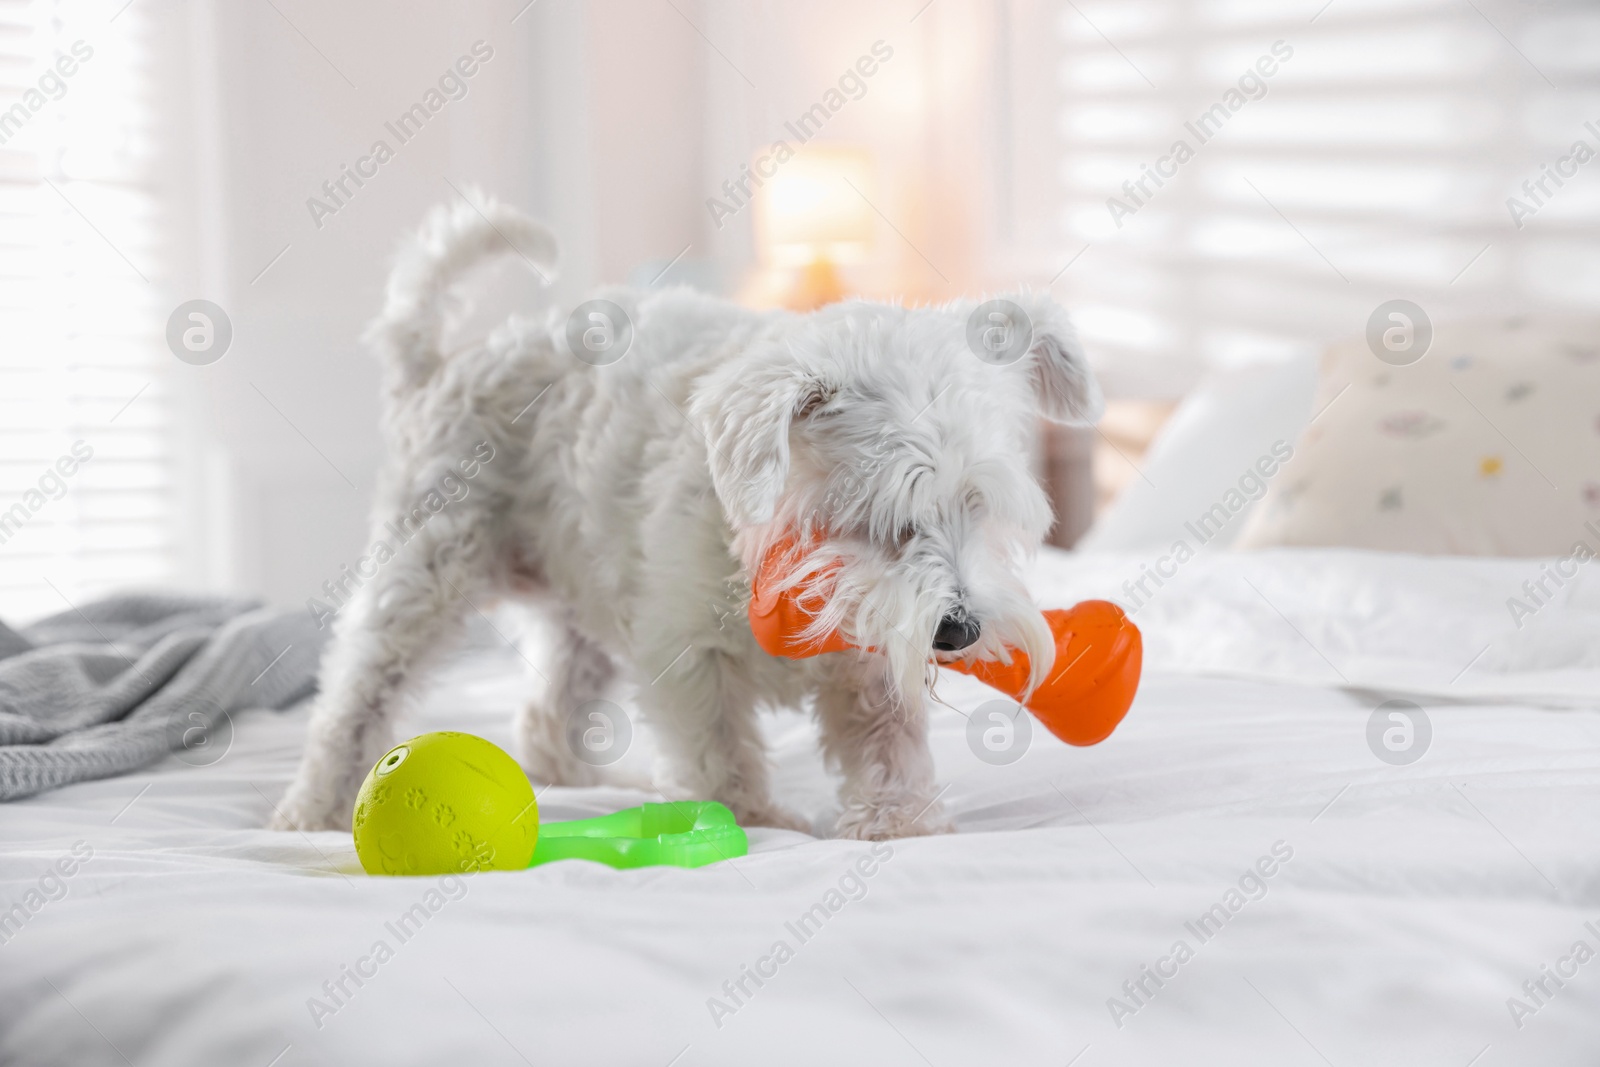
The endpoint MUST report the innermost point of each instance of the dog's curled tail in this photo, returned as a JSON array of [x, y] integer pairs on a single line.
[[452, 239]]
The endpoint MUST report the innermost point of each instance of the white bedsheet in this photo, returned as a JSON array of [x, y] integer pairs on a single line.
[[1415, 900]]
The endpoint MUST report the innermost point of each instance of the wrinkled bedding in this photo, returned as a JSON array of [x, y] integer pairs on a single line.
[[1236, 876]]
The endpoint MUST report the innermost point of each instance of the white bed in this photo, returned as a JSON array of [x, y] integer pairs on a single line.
[[1417, 899]]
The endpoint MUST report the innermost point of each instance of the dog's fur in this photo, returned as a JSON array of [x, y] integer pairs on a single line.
[[635, 500]]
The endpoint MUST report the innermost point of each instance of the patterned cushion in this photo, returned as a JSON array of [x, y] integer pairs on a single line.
[[1488, 445]]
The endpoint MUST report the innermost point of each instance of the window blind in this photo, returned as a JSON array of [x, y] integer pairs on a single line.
[[84, 471], [1338, 154]]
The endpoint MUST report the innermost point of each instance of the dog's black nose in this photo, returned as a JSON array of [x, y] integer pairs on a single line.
[[955, 632]]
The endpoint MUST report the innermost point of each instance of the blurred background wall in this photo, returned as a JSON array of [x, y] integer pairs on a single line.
[[614, 121], [1377, 160]]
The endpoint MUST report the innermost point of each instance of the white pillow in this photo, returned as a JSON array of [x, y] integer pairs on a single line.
[[1217, 435], [1488, 445]]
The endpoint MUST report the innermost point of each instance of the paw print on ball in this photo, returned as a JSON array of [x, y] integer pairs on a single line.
[[415, 798], [380, 795], [444, 815], [475, 855]]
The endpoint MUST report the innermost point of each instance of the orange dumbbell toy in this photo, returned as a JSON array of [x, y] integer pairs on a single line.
[[1099, 654]]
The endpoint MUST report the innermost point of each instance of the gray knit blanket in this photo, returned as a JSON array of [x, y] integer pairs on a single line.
[[116, 684]]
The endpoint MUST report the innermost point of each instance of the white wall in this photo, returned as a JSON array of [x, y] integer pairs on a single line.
[[279, 443], [613, 120]]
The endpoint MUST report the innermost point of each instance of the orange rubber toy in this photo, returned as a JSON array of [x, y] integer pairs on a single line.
[[1099, 654]]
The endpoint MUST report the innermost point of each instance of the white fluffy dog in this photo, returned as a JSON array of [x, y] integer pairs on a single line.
[[634, 500]]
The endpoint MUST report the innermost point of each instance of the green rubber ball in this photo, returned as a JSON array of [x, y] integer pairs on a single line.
[[445, 803]]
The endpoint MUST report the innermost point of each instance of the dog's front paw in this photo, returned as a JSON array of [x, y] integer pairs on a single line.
[[887, 818], [297, 811]]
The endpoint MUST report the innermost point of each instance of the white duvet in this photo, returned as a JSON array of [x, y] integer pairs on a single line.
[[1235, 877]]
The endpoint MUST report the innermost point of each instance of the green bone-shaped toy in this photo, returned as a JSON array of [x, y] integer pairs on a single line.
[[689, 833], [450, 802]]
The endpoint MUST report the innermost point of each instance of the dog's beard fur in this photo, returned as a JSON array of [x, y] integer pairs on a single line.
[[892, 605]]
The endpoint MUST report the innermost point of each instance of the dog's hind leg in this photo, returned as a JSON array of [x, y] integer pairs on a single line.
[[548, 747], [882, 749], [401, 619]]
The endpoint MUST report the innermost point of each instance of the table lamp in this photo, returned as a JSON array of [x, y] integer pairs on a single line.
[[812, 215]]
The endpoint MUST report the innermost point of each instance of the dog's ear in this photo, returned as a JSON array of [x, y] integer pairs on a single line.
[[744, 409], [1063, 383]]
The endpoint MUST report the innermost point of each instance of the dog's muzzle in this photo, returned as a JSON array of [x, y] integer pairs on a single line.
[[956, 631]]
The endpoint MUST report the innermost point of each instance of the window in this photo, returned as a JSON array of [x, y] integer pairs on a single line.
[[1334, 159], [84, 472]]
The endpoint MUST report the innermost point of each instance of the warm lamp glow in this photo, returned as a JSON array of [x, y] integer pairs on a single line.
[[809, 212]]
